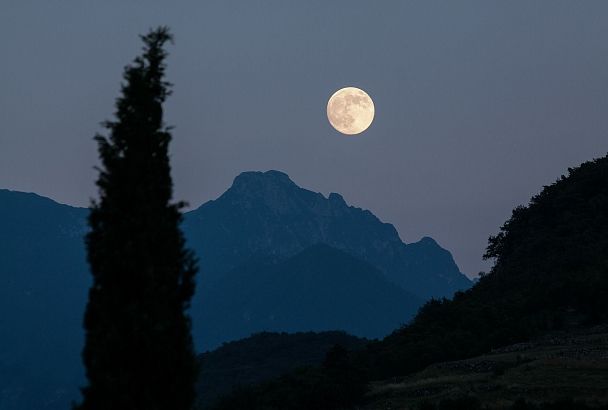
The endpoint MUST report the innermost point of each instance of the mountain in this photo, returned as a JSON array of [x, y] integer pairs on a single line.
[[266, 213], [43, 291], [264, 218], [263, 356], [549, 282], [320, 288], [260, 249]]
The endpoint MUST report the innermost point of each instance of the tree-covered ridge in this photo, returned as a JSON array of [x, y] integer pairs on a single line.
[[551, 272], [558, 245], [264, 356], [334, 385]]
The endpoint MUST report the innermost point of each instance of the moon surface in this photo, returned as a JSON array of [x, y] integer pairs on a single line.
[[350, 110]]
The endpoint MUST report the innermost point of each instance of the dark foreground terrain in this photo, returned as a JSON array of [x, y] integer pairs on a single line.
[[549, 369]]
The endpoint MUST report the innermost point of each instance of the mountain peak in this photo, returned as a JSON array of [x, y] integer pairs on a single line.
[[256, 178], [427, 240], [267, 214], [271, 189], [337, 198]]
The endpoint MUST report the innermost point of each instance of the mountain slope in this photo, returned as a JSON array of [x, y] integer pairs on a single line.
[[265, 213], [43, 290], [320, 288]]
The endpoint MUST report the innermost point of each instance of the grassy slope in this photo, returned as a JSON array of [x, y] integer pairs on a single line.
[[555, 366]]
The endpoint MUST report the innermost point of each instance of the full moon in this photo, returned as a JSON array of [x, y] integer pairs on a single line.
[[350, 110]]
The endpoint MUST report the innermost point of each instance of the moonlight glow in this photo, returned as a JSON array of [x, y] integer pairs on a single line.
[[350, 110]]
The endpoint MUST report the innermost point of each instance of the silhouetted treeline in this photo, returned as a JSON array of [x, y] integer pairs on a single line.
[[334, 385], [551, 273], [262, 357]]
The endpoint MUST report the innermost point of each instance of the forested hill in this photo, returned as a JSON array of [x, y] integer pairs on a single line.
[[264, 356], [550, 273]]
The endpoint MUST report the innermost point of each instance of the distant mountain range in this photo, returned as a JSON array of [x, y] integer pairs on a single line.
[[273, 257], [266, 213], [265, 227]]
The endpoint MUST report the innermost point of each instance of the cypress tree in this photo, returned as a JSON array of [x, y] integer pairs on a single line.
[[138, 352]]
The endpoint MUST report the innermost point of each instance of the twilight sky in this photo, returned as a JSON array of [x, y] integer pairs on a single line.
[[478, 103]]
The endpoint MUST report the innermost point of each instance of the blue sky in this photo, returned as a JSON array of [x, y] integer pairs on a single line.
[[478, 103]]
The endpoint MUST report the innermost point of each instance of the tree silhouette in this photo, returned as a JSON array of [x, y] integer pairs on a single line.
[[138, 352]]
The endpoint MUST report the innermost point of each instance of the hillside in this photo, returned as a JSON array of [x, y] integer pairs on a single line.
[[262, 357], [551, 368], [551, 273], [318, 289]]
